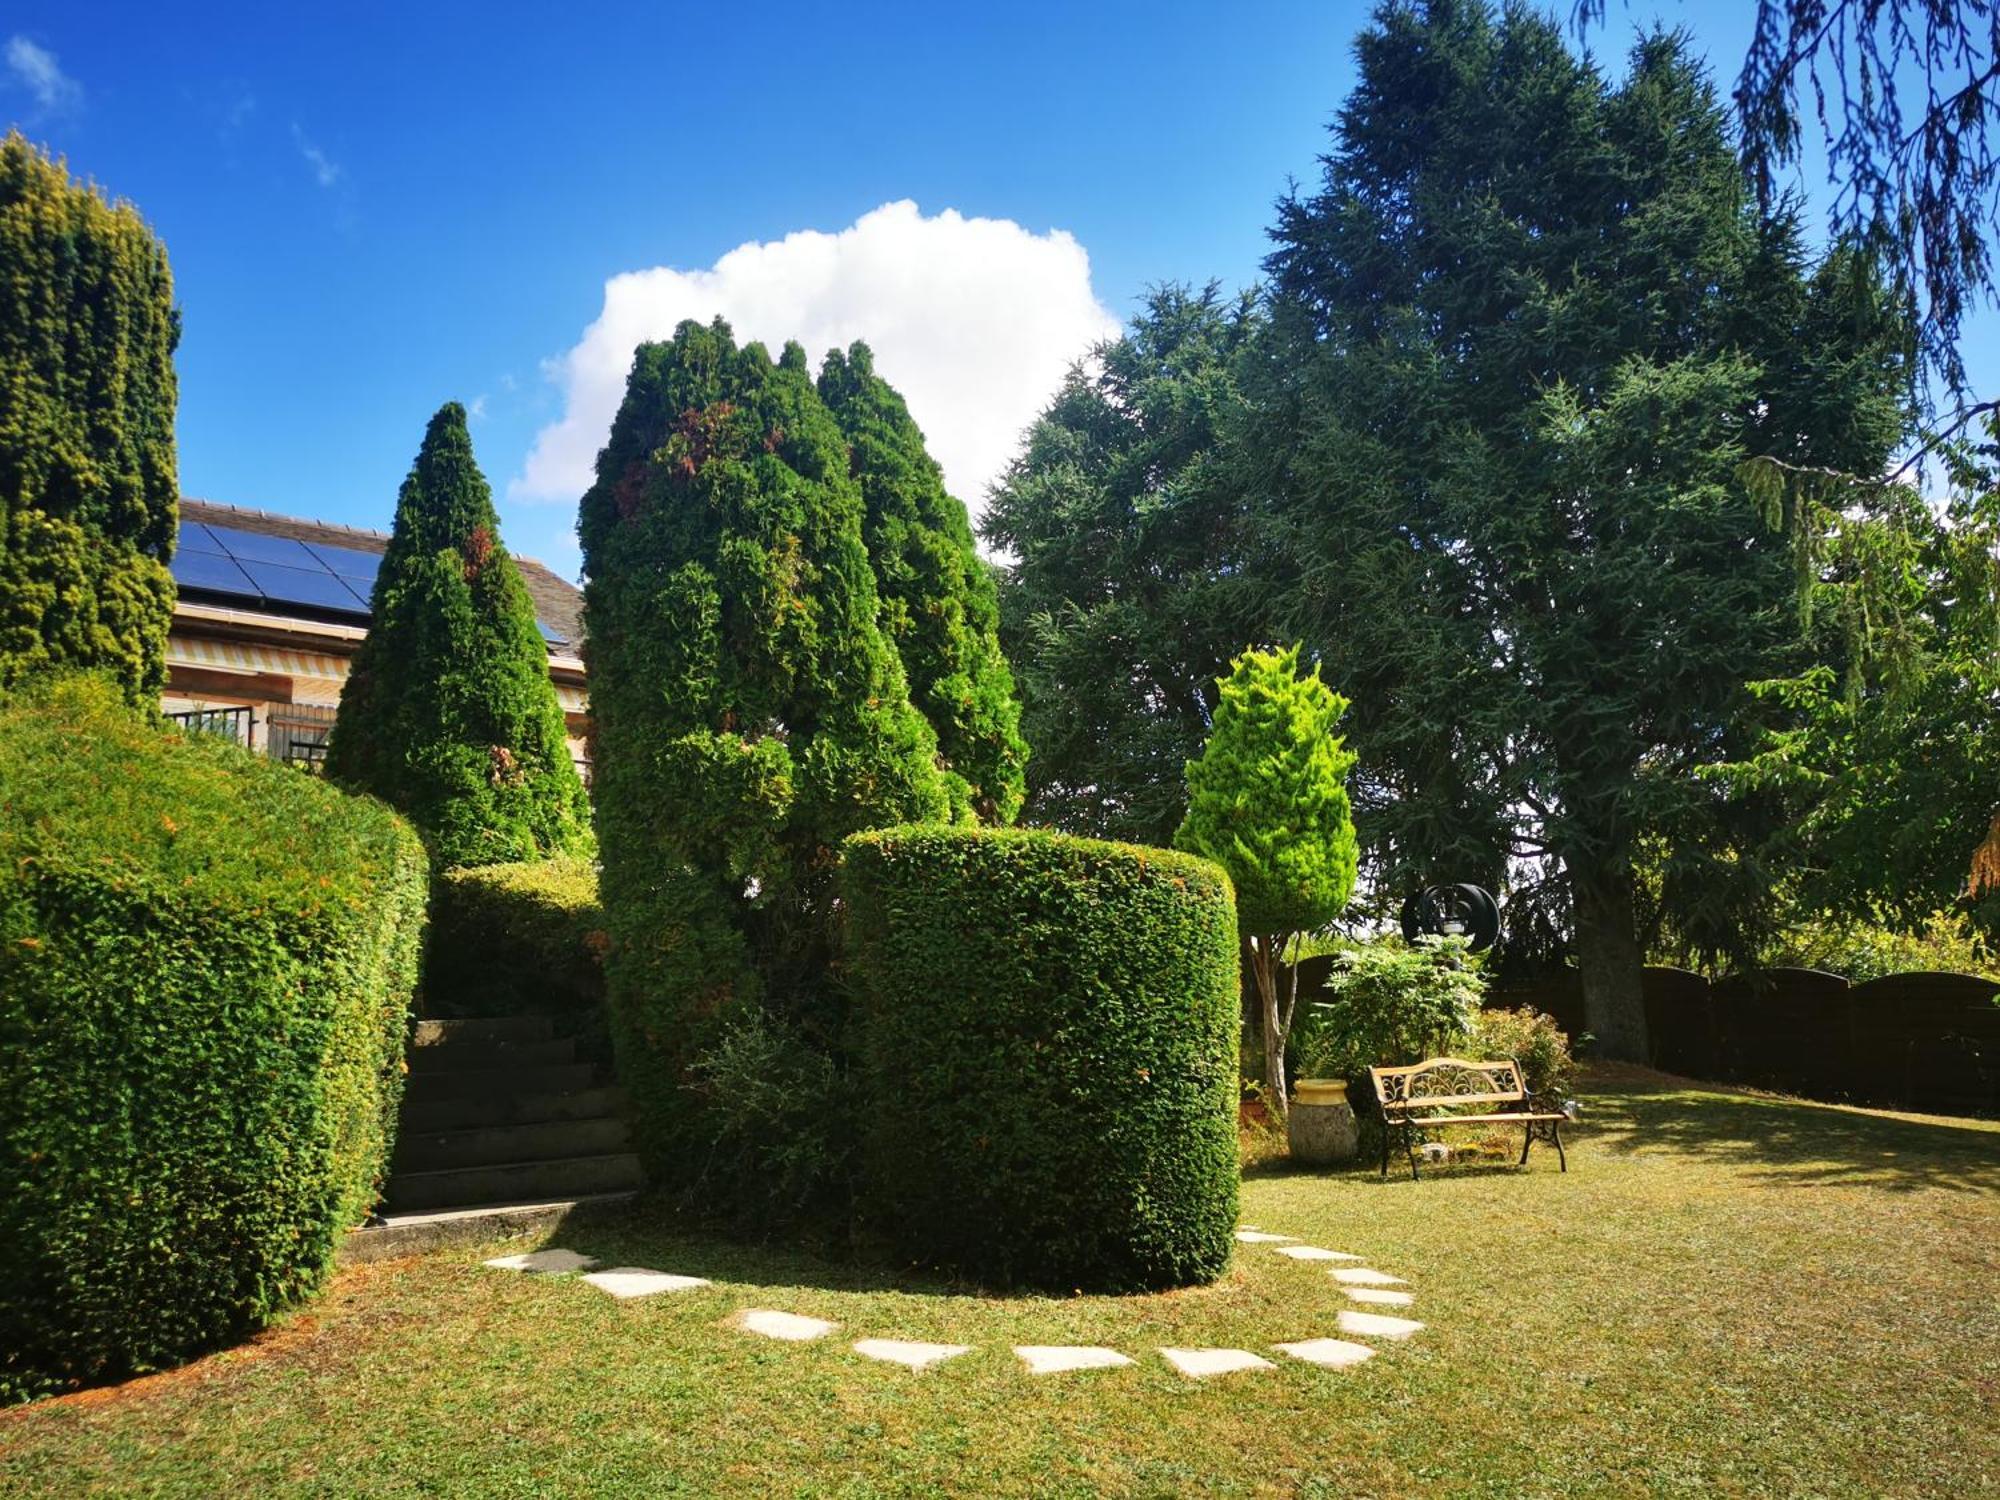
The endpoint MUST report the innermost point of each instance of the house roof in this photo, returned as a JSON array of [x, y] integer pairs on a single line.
[[558, 603]]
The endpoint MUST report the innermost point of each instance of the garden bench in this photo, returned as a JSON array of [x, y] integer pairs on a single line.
[[1428, 1094]]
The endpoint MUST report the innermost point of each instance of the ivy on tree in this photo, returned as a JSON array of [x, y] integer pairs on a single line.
[[89, 494], [938, 603], [448, 714], [749, 714], [1267, 800]]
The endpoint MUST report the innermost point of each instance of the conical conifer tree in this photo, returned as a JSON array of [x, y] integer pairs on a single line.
[[448, 714], [939, 604], [748, 714]]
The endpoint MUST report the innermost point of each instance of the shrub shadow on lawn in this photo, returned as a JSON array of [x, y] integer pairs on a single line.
[[1792, 1141]]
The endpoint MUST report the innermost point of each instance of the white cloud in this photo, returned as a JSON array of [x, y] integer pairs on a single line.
[[475, 409], [35, 69], [326, 172], [973, 320]]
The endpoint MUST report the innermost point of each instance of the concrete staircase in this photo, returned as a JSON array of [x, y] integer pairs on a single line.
[[499, 1111]]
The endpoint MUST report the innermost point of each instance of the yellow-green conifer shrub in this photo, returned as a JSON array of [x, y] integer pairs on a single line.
[[88, 490]]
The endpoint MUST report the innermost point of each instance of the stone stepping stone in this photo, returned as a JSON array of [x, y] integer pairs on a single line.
[[1362, 1276], [1334, 1354], [1379, 1296], [1313, 1252], [637, 1281], [909, 1352], [792, 1327], [1052, 1359], [1201, 1364], [1378, 1325], [544, 1262], [1258, 1237]]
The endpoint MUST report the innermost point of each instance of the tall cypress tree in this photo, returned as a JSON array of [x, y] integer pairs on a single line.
[[748, 714], [448, 714], [88, 489], [939, 605]]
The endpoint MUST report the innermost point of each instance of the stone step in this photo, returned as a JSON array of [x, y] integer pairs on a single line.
[[484, 1030], [496, 1083], [459, 1057], [512, 1182], [489, 1145], [425, 1113], [416, 1234]]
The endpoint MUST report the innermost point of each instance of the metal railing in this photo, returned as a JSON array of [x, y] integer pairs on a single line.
[[238, 724]]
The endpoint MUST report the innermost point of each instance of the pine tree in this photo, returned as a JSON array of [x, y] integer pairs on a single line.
[[938, 600], [1267, 800], [88, 490], [448, 714], [748, 714]]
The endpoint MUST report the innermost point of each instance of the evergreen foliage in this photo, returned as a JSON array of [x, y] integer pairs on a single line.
[[938, 601], [1131, 589], [748, 715], [206, 963], [1049, 1029], [88, 487], [1522, 338], [515, 939], [1268, 802], [448, 714]]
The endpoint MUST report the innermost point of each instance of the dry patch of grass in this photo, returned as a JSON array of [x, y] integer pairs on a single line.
[[1727, 1294]]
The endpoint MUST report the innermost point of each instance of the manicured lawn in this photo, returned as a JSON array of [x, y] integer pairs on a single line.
[[1726, 1294]]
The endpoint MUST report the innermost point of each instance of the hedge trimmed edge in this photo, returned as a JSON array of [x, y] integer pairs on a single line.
[[1048, 1034], [206, 962]]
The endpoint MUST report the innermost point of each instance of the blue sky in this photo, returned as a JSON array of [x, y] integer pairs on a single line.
[[372, 210]]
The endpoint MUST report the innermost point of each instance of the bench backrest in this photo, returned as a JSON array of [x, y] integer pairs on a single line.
[[1440, 1082]]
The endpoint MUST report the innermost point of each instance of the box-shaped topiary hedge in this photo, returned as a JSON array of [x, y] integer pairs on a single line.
[[206, 963], [516, 939], [1048, 1034]]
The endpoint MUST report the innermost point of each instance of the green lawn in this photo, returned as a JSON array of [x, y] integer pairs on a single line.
[[1727, 1294]]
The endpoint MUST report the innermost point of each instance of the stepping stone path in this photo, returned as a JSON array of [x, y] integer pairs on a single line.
[[792, 1327], [1360, 1284], [637, 1281], [545, 1262], [1377, 1325], [1201, 1364], [1362, 1276], [1053, 1359], [1334, 1354], [908, 1352]]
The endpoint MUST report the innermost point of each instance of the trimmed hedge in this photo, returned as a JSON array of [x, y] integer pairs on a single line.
[[1048, 1035], [515, 939], [206, 962]]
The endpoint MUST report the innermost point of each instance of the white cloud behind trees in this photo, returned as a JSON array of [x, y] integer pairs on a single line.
[[34, 68], [974, 320]]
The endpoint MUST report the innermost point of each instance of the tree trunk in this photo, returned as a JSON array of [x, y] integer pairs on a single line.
[[1608, 962], [1261, 970]]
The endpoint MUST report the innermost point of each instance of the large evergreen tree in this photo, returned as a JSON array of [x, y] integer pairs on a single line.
[[938, 602], [448, 714], [1129, 592], [749, 713], [1523, 336], [88, 488]]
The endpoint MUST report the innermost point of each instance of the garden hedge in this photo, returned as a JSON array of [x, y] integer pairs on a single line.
[[1047, 1028], [515, 939], [206, 962]]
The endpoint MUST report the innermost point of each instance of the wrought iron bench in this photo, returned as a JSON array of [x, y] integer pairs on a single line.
[[1427, 1096]]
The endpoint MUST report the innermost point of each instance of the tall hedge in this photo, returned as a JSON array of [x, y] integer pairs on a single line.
[[939, 604], [448, 714], [1048, 1034], [748, 714], [88, 489], [206, 962]]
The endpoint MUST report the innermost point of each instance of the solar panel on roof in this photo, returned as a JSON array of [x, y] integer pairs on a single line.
[[550, 636], [196, 537], [205, 570], [251, 546], [348, 562], [313, 587]]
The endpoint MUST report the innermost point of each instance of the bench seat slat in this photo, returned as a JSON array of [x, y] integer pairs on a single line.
[[1433, 1101], [1510, 1119]]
